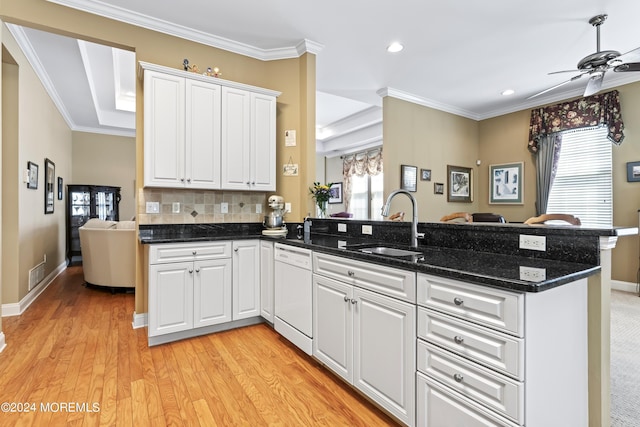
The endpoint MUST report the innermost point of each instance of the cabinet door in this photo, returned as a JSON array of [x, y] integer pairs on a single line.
[[202, 135], [384, 352], [164, 143], [170, 298], [263, 142], [266, 280], [236, 138], [211, 292], [333, 325], [246, 279]]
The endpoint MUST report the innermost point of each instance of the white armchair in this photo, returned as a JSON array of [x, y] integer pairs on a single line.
[[108, 253]]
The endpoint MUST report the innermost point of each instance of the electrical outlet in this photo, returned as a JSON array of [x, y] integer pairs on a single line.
[[175, 207], [258, 208], [287, 207], [153, 207], [342, 228], [535, 243], [367, 229], [224, 207], [532, 274]]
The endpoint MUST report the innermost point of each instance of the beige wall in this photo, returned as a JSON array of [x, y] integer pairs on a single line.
[[35, 131], [106, 160], [428, 139]]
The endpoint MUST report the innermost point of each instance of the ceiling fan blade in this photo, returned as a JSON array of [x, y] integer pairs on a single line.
[[632, 55], [630, 66], [563, 71], [594, 84], [556, 86]]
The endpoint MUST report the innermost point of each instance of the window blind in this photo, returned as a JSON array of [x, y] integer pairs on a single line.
[[583, 182]]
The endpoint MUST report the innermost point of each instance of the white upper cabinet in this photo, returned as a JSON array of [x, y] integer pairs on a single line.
[[207, 133], [248, 140]]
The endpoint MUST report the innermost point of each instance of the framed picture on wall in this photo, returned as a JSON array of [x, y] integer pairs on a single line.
[[336, 193], [408, 177], [505, 183], [49, 178], [33, 175], [59, 188], [425, 174], [460, 184]]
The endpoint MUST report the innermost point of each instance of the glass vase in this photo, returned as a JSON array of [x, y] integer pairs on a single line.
[[321, 211]]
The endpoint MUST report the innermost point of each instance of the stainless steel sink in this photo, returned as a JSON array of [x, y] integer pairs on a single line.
[[383, 250]]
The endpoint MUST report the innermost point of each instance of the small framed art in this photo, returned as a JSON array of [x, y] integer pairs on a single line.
[[633, 171], [33, 175], [505, 183], [408, 177], [336, 193], [460, 184], [425, 174]]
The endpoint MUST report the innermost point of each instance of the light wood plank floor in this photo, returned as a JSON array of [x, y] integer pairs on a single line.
[[75, 346]]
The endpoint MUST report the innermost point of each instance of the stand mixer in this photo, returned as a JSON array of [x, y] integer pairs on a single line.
[[274, 222]]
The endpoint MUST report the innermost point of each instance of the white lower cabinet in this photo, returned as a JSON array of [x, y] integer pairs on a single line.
[[246, 279], [489, 357], [267, 283], [366, 338], [199, 286], [188, 294]]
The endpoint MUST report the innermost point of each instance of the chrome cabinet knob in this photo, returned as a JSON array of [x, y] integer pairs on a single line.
[[235, 250], [458, 339], [346, 299], [189, 180], [351, 273], [458, 301], [459, 378], [354, 302], [190, 271], [194, 252], [197, 270]]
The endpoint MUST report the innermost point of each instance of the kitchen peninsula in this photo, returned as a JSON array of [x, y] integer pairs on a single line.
[[483, 262]]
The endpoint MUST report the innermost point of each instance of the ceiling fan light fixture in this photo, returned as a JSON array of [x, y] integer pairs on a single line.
[[395, 47]]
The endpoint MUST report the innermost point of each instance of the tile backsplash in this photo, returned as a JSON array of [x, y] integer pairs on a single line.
[[201, 206]]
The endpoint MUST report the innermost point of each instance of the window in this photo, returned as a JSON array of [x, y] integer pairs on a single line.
[[583, 182], [366, 196]]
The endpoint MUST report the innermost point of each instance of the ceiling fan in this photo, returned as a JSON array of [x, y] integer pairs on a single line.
[[597, 64]]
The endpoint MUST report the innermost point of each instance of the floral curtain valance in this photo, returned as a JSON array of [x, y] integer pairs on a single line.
[[596, 110]]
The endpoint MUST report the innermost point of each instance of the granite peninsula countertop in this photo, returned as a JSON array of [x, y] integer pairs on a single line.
[[504, 271]]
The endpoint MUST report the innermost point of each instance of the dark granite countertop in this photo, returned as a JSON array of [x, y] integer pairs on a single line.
[[496, 270], [506, 271]]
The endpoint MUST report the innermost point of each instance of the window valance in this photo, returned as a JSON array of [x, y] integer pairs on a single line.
[[597, 110]]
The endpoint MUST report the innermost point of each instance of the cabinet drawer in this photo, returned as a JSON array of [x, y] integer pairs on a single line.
[[484, 305], [178, 252], [485, 346], [441, 407], [483, 385], [392, 282]]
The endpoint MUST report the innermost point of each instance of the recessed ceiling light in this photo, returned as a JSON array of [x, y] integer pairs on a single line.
[[508, 92], [395, 47]]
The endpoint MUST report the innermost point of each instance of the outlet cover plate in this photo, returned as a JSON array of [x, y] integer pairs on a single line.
[[342, 228], [153, 207], [367, 229], [534, 243], [224, 207]]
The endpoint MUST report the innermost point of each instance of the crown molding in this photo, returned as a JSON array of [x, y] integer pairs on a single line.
[[99, 8], [405, 96], [27, 48]]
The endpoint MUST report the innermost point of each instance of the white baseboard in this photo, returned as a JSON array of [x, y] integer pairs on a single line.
[[619, 285], [3, 344], [139, 320], [16, 309]]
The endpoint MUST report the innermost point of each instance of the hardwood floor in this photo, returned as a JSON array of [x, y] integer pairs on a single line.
[[73, 359]]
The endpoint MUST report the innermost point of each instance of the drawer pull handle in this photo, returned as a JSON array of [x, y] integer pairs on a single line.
[[351, 273], [459, 378], [458, 301], [458, 339]]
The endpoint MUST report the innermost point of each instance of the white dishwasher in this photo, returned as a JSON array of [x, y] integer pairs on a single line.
[[293, 295]]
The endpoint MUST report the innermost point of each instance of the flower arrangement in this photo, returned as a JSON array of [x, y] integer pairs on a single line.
[[321, 193]]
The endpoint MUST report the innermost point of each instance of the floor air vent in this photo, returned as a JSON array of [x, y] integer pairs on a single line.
[[36, 274]]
